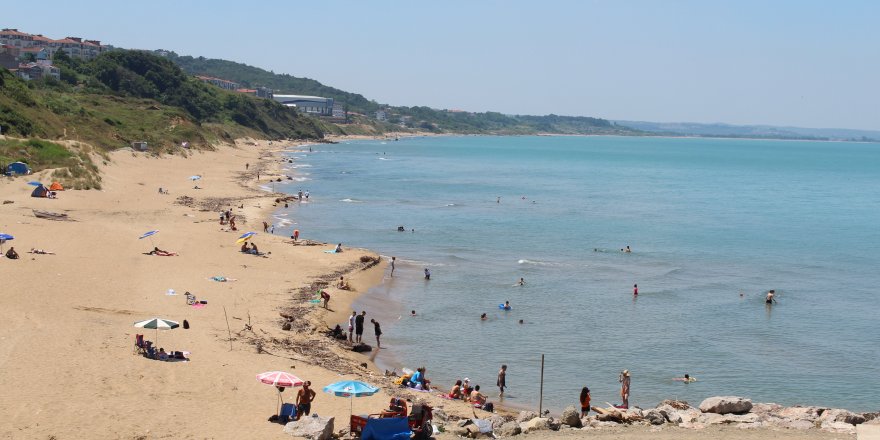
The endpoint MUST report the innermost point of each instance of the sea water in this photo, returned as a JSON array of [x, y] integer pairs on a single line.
[[712, 223]]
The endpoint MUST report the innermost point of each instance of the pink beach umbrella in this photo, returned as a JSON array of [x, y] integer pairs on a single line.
[[280, 380]]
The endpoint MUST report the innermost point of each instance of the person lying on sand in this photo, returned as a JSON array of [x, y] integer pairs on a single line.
[[161, 253], [42, 252]]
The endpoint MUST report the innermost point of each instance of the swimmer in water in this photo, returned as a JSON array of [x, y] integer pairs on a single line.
[[521, 282], [771, 297], [686, 379], [412, 313], [521, 321], [627, 250], [506, 305], [483, 317]]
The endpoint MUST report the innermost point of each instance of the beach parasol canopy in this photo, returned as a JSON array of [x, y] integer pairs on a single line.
[[3, 238], [279, 379], [34, 183], [148, 234], [158, 324], [245, 237], [351, 389]]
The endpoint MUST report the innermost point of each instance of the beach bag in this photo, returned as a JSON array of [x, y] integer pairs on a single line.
[[186, 324]]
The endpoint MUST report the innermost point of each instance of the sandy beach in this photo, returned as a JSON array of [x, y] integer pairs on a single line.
[[66, 346]]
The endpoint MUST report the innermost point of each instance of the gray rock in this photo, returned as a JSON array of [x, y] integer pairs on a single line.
[[655, 417], [535, 424], [679, 415], [525, 416], [726, 419], [313, 428], [799, 424], [766, 408], [841, 415], [870, 416], [571, 416], [677, 404], [800, 412], [839, 427], [508, 429], [439, 414], [726, 405], [497, 421]]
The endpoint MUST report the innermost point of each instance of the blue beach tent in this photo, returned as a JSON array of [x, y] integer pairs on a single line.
[[40, 191], [18, 168]]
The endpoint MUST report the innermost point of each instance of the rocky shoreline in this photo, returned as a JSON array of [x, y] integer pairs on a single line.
[[722, 410]]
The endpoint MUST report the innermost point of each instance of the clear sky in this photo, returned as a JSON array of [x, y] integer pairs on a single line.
[[800, 63]]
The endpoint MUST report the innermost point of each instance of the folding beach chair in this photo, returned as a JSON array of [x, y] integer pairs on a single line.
[[288, 413], [139, 347]]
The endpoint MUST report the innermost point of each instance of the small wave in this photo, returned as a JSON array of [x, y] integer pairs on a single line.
[[384, 158], [299, 179], [351, 201], [537, 263], [266, 188], [301, 165], [419, 263], [451, 204], [283, 222]]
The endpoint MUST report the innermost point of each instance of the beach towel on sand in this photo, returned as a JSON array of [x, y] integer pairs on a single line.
[[391, 428], [331, 251]]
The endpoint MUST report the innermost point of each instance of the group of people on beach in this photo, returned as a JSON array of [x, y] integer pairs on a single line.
[[356, 328]]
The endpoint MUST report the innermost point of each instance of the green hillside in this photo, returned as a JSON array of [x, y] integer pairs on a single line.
[[126, 96], [399, 118]]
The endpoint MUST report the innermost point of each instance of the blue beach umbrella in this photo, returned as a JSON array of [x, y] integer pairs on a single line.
[[351, 389], [35, 183], [149, 235], [3, 238]]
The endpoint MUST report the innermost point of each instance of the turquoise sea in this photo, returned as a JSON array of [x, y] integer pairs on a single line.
[[712, 223]]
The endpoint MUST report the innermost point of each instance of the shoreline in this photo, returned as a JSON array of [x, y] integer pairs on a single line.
[[70, 315]]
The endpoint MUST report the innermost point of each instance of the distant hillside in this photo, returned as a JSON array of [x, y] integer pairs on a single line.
[[399, 118], [753, 131]]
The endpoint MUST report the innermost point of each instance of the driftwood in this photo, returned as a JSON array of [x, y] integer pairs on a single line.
[[52, 215]]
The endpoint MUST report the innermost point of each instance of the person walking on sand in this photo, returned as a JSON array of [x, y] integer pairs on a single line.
[[295, 235], [501, 381], [326, 297], [351, 325], [585, 401], [378, 332], [393, 259], [359, 326], [624, 388], [265, 227], [246, 166], [427, 274], [304, 398]]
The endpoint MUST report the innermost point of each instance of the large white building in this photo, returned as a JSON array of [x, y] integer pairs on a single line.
[[307, 104]]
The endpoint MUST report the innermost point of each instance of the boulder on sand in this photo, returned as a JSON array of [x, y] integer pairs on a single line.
[[655, 417], [313, 428], [508, 429], [525, 416], [726, 405], [571, 417], [535, 424], [841, 415]]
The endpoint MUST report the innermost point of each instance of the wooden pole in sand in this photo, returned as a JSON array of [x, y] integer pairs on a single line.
[[541, 396], [227, 328]]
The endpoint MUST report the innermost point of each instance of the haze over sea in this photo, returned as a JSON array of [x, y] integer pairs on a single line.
[[707, 219]]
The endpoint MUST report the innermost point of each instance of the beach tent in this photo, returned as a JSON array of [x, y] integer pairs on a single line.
[[18, 168], [55, 186], [40, 191]]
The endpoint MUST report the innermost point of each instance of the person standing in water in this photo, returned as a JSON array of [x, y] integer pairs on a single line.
[[427, 274], [771, 297], [624, 388], [501, 381], [378, 332], [635, 290], [393, 259]]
